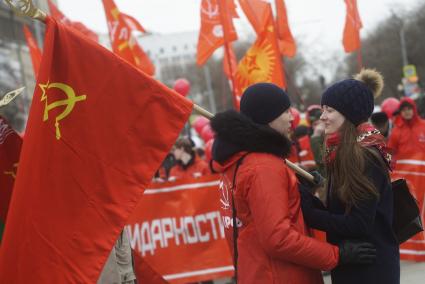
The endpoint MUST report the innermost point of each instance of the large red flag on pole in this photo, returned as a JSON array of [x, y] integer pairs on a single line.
[[58, 15], [10, 148], [353, 24], [123, 42], [35, 51], [98, 130], [256, 11]]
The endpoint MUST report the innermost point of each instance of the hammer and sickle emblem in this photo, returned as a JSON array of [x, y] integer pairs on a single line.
[[69, 102]]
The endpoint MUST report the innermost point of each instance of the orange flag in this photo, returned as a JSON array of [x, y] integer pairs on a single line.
[[230, 69], [35, 52], [132, 23], [211, 35], [262, 62], [144, 272], [256, 11], [123, 42], [58, 15], [353, 24], [98, 130], [10, 148], [286, 42]]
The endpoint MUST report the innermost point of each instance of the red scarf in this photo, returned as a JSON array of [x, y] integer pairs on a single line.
[[368, 136]]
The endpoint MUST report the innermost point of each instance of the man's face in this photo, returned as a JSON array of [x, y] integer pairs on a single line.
[[407, 112], [282, 124]]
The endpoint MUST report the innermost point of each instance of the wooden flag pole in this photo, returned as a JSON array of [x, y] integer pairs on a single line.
[[27, 8]]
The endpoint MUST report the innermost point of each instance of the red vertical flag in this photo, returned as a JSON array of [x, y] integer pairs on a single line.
[[10, 148], [286, 41], [262, 62], [256, 11], [35, 52], [213, 26], [132, 23], [123, 42], [58, 15], [353, 24], [98, 130]]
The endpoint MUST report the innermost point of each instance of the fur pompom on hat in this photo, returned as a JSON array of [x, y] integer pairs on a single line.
[[354, 98]]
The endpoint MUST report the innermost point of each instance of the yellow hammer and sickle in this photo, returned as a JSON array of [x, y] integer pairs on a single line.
[[69, 102]]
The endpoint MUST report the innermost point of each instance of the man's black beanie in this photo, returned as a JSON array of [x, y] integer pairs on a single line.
[[264, 102]]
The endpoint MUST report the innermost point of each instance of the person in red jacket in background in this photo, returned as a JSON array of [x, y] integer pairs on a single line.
[[188, 164], [260, 201], [407, 142]]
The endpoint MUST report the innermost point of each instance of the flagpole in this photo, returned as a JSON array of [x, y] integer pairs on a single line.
[[360, 58], [227, 50], [27, 8]]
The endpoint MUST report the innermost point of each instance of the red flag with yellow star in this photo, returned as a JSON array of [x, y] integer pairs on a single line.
[[262, 62], [10, 148], [123, 42], [98, 130]]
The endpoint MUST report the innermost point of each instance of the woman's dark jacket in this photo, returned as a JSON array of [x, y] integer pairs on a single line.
[[370, 221]]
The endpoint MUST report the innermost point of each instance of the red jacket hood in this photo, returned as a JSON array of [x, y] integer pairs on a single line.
[[400, 121]]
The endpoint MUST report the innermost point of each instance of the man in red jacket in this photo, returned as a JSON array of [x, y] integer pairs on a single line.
[[407, 142], [260, 201]]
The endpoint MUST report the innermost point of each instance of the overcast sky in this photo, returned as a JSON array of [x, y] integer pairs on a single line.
[[317, 23]]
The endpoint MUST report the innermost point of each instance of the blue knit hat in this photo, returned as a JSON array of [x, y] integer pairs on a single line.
[[354, 98], [264, 102]]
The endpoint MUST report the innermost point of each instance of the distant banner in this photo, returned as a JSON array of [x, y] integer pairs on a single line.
[[177, 228]]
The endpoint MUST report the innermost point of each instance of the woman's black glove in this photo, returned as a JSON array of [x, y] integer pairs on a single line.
[[356, 252], [317, 182]]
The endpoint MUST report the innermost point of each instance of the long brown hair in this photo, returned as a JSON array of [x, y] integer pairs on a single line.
[[347, 171]]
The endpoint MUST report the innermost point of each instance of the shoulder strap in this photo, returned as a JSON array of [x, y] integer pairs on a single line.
[[234, 223]]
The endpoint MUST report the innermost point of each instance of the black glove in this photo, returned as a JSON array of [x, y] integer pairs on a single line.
[[356, 252], [318, 181]]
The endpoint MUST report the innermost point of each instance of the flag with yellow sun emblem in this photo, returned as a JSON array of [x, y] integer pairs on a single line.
[[262, 62]]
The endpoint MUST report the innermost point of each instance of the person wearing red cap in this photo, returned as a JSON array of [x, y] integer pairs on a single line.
[[407, 141]]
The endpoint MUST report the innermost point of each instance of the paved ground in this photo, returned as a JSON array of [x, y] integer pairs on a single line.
[[411, 273]]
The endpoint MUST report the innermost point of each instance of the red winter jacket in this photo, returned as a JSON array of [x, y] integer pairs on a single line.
[[197, 169], [273, 244], [407, 139]]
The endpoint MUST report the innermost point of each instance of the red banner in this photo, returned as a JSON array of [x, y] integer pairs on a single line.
[[177, 228]]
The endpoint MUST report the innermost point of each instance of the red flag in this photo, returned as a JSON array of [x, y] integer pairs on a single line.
[[144, 272], [256, 11], [35, 52], [230, 69], [212, 31], [123, 43], [262, 62], [286, 42], [98, 130], [132, 23], [58, 15], [10, 148], [353, 24]]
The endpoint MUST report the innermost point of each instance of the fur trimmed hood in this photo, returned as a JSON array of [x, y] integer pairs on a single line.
[[236, 133]]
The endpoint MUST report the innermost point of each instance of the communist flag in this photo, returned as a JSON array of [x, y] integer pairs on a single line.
[[256, 11], [35, 52], [262, 62], [213, 26], [58, 15], [10, 148], [144, 272], [123, 43], [353, 24], [286, 41], [98, 130], [132, 23]]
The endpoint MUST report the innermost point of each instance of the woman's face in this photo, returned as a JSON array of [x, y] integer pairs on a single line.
[[282, 124], [332, 119]]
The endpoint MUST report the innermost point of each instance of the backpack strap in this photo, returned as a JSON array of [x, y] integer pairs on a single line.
[[234, 223]]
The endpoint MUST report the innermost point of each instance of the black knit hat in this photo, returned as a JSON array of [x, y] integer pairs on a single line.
[[354, 98], [264, 102]]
